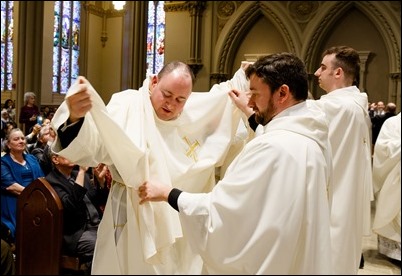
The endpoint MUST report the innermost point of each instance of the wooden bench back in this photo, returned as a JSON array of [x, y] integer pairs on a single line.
[[39, 232]]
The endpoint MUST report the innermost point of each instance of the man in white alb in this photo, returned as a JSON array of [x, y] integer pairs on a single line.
[[346, 109], [387, 188], [161, 130]]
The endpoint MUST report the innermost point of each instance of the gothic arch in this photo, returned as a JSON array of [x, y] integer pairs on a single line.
[[240, 23], [331, 11]]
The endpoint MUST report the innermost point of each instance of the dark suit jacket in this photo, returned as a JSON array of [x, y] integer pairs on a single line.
[[75, 212], [376, 124]]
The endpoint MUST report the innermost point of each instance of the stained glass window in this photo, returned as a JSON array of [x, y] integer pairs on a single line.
[[7, 47], [155, 37], [65, 44]]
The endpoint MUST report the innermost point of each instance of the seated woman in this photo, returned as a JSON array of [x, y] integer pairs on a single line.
[[81, 206], [18, 170]]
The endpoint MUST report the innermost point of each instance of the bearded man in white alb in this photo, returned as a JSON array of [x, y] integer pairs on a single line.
[[270, 212]]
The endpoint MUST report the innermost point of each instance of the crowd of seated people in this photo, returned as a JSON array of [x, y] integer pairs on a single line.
[[8, 120], [26, 157]]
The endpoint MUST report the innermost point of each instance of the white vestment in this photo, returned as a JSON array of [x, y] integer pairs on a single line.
[[136, 145], [270, 212], [349, 134], [387, 186]]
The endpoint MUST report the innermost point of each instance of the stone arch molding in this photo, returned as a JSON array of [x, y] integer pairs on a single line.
[[239, 24], [384, 17], [313, 34], [332, 11]]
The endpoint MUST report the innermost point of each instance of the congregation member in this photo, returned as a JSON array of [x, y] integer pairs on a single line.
[[378, 120], [5, 119], [41, 149], [163, 129], [28, 112], [9, 106], [81, 207], [387, 188], [18, 170], [270, 212]]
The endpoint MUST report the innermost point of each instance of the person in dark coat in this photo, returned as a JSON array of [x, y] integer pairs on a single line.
[[81, 206]]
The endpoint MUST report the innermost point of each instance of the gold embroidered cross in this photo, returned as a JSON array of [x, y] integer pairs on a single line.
[[191, 152]]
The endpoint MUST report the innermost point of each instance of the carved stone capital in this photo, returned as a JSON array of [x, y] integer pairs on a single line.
[[196, 8], [195, 67], [395, 76], [218, 77]]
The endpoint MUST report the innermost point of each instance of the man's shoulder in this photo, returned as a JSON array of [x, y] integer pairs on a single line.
[[123, 100], [55, 180], [125, 94]]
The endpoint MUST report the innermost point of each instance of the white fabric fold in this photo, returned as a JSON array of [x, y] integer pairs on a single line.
[[128, 137], [387, 180]]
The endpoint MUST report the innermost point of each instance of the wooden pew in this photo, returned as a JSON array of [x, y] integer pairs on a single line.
[[39, 232]]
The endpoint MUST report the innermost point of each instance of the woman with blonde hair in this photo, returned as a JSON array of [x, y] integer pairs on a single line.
[[18, 170]]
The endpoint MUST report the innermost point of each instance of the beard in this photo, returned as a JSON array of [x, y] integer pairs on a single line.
[[263, 117]]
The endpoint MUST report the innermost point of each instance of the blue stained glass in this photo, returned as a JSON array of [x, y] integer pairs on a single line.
[[56, 62], [75, 67], [3, 59], [65, 63], [66, 44], [66, 30], [56, 32], [10, 58], [55, 81], [65, 84], [7, 48], [155, 37]]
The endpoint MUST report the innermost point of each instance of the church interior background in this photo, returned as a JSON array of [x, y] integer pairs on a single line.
[[47, 44]]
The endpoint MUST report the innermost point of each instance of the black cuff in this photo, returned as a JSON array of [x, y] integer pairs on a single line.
[[252, 123], [173, 197], [69, 134]]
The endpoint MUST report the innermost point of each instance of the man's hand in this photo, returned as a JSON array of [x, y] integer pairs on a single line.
[[153, 191], [245, 64], [33, 118], [240, 99], [100, 174], [80, 102], [35, 129]]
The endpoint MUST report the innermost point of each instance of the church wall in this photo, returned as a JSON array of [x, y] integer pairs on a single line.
[[177, 36], [110, 75], [226, 32], [47, 57], [203, 82], [262, 38], [307, 28], [95, 53], [352, 29]]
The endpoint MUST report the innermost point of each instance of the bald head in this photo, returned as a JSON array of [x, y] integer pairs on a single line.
[[170, 90], [390, 108]]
